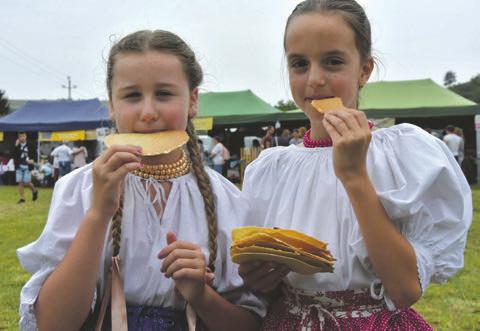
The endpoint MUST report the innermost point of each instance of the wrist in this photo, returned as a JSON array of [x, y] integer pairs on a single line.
[[355, 182], [204, 298], [97, 216]]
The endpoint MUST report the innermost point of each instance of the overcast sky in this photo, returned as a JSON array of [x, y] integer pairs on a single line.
[[238, 42]]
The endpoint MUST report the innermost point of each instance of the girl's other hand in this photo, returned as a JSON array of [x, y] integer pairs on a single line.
[[351, 136], [109, 171], [263, 277], [185, 263]]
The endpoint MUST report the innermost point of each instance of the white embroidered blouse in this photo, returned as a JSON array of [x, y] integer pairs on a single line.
[[419, 183], [143, 236]]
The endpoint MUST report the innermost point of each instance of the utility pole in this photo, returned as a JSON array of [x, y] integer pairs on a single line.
[[69, 87]]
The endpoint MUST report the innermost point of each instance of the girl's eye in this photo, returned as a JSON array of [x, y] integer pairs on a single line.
[[298, 64], [163, 93], [334, 62], [132, 95]]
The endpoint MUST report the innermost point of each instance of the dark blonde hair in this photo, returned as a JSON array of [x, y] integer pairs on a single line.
[[351, 12], [168, 42]]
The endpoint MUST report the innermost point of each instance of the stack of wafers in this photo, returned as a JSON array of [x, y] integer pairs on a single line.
[[300, 252]]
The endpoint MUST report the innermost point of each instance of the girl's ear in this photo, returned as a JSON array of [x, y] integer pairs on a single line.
[[367, 69], [193, 107], [110, 110]]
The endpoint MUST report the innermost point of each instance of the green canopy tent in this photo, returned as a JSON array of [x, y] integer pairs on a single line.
[[413, 98], [406, 99], [232, 108]]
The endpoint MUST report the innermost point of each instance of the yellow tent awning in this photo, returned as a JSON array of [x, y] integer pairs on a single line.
[[203, 124], [62, 135]]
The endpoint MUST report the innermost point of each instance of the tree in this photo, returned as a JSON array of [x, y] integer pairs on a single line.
[[4, 105], [286, 105], [469, 90], [449, 79]]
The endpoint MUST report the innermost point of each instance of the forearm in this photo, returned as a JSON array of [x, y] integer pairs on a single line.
[[66, 297], [219, 314], [392, 256]]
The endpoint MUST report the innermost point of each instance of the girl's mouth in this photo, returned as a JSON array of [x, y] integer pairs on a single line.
[[310, 99]]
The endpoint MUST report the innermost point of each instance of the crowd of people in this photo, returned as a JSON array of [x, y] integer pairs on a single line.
[[282, 137], [31, 174]]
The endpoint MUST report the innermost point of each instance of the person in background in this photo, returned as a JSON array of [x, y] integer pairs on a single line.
[[46, 169], [295, 138], [203, 157], [56, 167], [217, 155], [461, 148], [301, 132], [281, 139], [23, 158], [453, 141], [267, 138], [64, 155], [80, 155]]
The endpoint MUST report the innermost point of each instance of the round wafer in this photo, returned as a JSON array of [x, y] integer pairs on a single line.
[[157, 143]]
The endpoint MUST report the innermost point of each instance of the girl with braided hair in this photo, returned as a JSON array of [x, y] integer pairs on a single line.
[[169, 238], [379, 199]]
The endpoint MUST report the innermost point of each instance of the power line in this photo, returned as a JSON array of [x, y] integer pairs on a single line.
[[29, 69], [29, 58], [54, 74]]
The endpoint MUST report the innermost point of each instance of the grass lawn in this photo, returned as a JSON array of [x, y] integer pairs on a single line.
[[452, 306]]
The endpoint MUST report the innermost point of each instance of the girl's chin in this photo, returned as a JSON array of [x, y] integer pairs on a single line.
[[313, 114]]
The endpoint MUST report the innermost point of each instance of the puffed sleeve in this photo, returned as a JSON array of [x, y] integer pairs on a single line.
[[40, 258], [426, 196], [232, 212]]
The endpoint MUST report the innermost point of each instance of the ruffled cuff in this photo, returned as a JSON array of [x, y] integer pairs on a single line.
[[425, 265], [377, 290], [28, 320]]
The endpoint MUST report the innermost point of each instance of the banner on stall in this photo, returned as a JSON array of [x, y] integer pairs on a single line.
[[62, 135], [203, 124]]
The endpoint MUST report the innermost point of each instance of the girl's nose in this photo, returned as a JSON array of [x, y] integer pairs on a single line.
[[149, 112], [316, 77]]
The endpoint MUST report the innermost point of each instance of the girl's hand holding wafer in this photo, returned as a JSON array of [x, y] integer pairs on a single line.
[[109, 171], [351, 137]]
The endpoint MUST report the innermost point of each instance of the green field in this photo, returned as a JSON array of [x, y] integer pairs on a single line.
[[452, 306]]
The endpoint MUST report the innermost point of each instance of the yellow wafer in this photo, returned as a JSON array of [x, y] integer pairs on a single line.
[[152, 143], [328, 104]]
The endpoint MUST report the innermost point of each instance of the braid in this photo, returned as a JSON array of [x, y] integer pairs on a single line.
[[117, 229], [205, 187]]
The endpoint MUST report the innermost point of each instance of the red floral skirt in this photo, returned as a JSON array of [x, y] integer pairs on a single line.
[[338, 310]]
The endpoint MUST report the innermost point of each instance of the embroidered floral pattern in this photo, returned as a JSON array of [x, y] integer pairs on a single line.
[[337, 310]]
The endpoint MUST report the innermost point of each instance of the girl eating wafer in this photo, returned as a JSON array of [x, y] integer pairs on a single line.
[[144, 229], [393, 205]]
